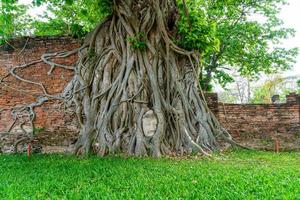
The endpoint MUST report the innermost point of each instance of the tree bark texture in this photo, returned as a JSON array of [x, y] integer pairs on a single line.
[[135, 92]]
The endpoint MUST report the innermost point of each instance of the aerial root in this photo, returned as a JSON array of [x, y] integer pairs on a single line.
[[25, 114], [135, 101]]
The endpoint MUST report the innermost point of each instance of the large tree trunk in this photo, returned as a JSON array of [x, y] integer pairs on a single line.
[[135, 91]]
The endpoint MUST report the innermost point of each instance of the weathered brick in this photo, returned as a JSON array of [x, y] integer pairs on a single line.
[[261, 121], [249, 124], [48, 116]]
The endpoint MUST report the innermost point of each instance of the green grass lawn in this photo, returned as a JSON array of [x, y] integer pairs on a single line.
[[234, 175]]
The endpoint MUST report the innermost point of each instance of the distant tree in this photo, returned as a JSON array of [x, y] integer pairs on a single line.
[[244, 90], [239, 91], [274, 86]]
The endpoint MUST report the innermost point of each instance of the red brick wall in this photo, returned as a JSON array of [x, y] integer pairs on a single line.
[[14, 92], [253, 125], [258, 125]]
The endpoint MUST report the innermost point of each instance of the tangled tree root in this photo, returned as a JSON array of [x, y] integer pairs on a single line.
[[134, 91]]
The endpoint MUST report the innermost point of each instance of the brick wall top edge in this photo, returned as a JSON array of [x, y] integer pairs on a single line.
[[261, 104], [36, 41]]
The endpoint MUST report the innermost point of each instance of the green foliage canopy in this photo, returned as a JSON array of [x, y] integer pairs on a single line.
[[68, 17], [12, 20], [244, 35], [250, 33]]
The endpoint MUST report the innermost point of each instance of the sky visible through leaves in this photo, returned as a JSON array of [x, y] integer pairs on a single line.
[[290, 15]]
